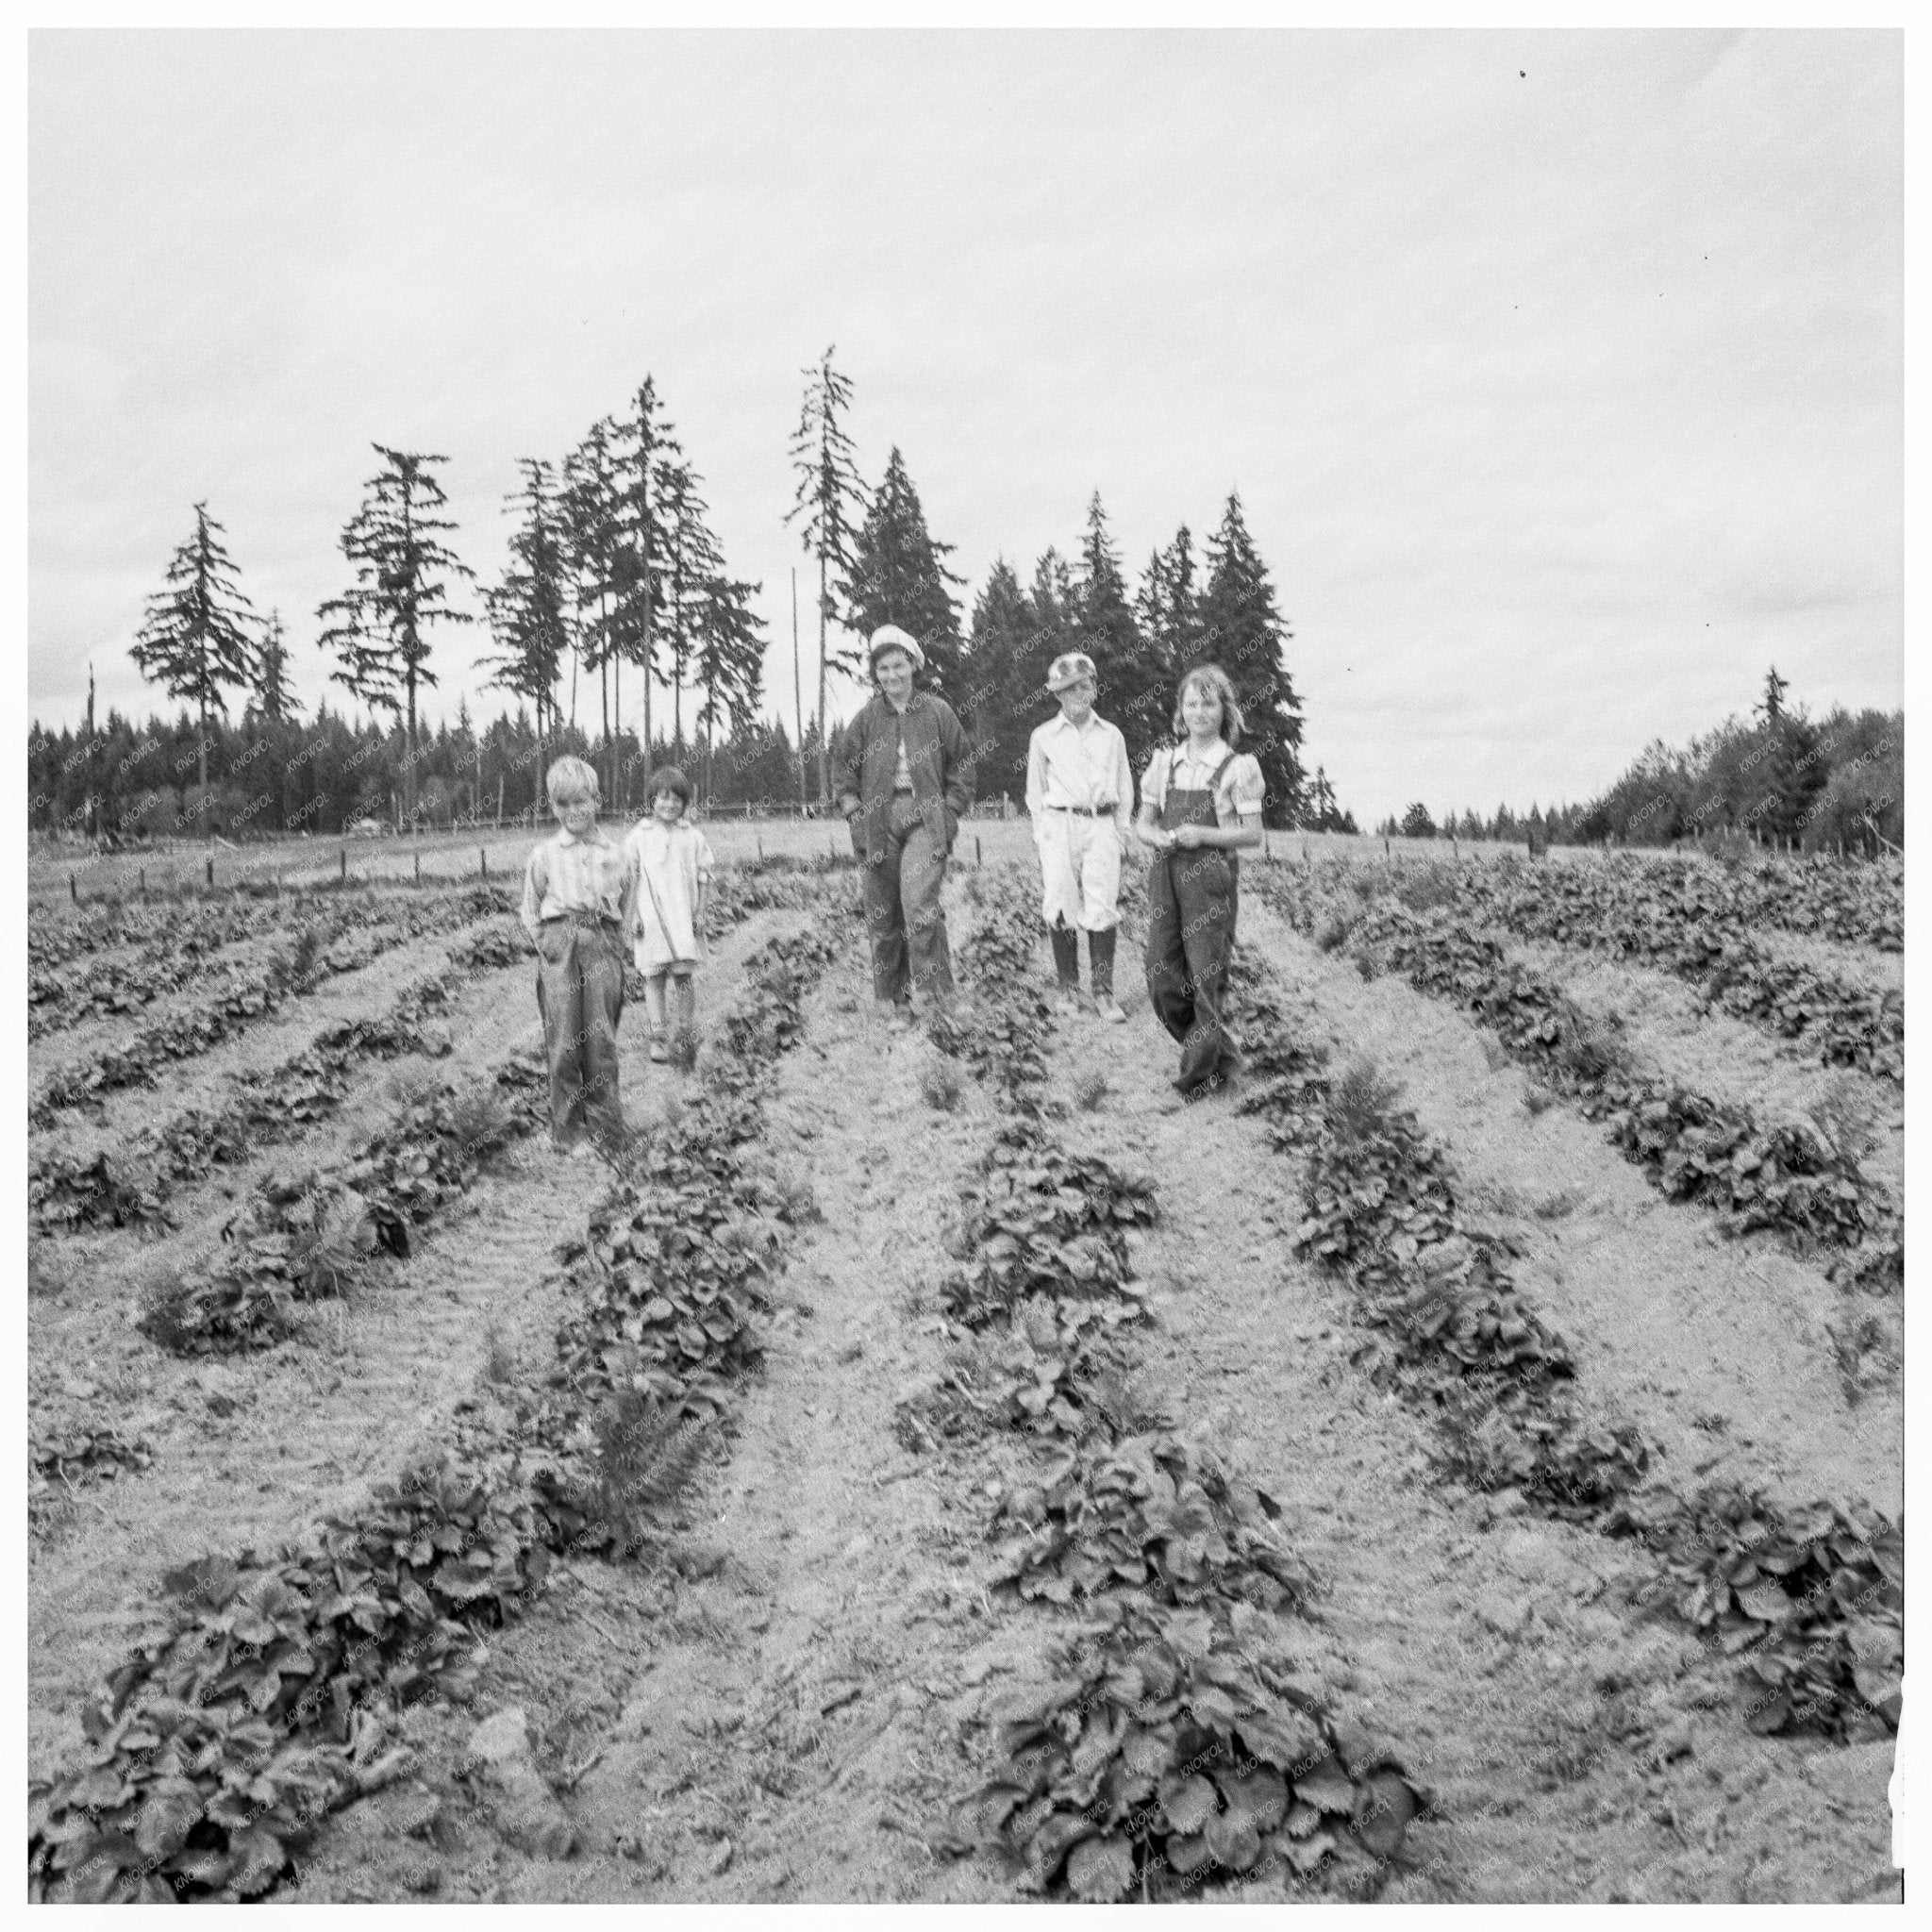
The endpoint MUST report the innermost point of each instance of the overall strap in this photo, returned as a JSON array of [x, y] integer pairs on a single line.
[[1219, 772]]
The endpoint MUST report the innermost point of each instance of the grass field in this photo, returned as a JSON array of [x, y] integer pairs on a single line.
[[297, 1235]]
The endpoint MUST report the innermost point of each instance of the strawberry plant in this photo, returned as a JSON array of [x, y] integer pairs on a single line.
[[1380, 1207], [1812, 1598], [220, 1744], [1788, 1178], [1160, 1756], [1149, 1513], [183, 1035]]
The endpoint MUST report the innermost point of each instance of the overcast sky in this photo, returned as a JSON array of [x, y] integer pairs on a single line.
[[1559, 374]]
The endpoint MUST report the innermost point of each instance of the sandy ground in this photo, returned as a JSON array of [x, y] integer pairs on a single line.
[[1778, 1080], [1716, 1348], [250, 1449], [780, 1703], [780, 1708]]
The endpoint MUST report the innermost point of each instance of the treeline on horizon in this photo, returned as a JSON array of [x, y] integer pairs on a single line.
[[1780, 779], [614, 565]]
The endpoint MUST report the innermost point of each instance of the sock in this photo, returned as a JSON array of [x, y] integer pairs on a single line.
[[1100, 961], [1066, 954]]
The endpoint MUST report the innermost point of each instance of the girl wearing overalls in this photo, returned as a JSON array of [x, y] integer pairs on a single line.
[[1200, 802]]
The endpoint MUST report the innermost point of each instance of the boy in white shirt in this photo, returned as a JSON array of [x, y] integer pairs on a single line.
[[1080, 793]]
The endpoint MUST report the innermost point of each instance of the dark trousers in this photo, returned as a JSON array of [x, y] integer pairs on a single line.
[[580, 996], [1190, 909], [903, 916]]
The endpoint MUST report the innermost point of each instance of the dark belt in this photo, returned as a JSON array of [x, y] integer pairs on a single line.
[[592, 919], [1085, 811]]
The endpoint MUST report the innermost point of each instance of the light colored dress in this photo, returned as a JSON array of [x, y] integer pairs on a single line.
[[670, 861]]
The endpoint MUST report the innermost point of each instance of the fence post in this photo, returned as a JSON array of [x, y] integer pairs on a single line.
[[143, 882], [483, 860], [975, 852], [345, 865], [419, 868], [73, 888], [210, 872], [761, 848]]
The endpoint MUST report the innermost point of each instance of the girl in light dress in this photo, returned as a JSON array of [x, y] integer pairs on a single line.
[[674, 869]]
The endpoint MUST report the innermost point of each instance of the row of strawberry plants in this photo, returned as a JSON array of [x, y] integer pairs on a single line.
[[298, 970], [215, 1751], [1172, 1749], [192, 924], [303, 1236], [1793, 1179], [68, 1192], [676, 1272], [130, 1187], [63, 997], [1812, 1598], [1622, 911], [1859, 904]]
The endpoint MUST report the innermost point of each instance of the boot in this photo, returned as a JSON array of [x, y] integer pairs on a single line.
[[1066, 963], [1100, 966]]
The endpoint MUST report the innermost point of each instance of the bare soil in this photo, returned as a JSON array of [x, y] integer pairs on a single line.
[[781, 1707], [780, 1702], [1717, 1349], [249, 1449]]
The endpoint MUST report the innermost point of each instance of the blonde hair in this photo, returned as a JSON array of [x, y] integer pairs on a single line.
[[571, 779], [1212, 677]]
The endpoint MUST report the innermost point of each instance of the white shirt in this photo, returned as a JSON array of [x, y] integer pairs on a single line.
[[1078, 764], [1240, 793]]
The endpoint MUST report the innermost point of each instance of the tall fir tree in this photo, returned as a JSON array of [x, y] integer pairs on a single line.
[[592, 523], [995, 721], [1168, 607], [898, 575], [1244, 634], [1052, 610], [693, 564], [728, 663], [403, 574], [830, 499], [196, 639], [646, 448], [274, 699], [528, 609], [1135, 693]]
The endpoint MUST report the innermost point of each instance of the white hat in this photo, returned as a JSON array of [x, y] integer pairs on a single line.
[[1067, 667], [889, 637]]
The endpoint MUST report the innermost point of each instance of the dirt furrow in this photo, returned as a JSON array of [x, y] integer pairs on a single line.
[[1595, 1771], [1665, 1026], [772, 1706], [247, 1452], [1724, 1352]]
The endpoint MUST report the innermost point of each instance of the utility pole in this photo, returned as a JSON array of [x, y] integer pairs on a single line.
[[797, 696]]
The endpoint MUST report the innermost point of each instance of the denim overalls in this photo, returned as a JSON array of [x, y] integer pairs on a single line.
[[1190, 908]]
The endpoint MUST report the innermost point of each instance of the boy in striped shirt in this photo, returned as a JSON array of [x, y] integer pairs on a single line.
[[580, 892]]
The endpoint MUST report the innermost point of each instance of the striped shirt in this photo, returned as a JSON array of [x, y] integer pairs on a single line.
[[594, 874]]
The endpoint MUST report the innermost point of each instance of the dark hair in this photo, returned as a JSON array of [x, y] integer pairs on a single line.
[[669, 778]]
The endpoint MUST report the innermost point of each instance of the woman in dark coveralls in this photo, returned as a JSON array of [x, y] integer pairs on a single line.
[[905, 780], [1200, 801]]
